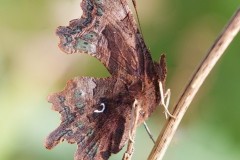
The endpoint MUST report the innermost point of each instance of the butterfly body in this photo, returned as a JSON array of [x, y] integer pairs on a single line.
[[108, 32]]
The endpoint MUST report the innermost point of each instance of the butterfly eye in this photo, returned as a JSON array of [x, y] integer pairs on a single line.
[[101, 110]]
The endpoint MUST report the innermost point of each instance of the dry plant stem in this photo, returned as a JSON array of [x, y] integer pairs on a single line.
[[191, 89], [135, 116]]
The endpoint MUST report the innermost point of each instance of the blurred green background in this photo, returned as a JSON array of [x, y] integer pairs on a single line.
[[32, 66]]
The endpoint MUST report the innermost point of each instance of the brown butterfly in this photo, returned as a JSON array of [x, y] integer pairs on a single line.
[[96, 112]]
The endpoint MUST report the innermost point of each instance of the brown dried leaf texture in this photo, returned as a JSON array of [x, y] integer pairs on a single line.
[[107, 31]]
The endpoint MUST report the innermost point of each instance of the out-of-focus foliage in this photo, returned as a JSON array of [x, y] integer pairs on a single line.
[[31, 67]]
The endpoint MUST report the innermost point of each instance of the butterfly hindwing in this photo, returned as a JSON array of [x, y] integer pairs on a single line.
[[96, 134]]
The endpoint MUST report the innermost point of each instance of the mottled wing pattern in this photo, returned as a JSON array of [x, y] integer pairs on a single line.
[[108, 32], [96, 134]]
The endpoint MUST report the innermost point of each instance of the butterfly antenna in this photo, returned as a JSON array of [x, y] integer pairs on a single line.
[[139, 24]]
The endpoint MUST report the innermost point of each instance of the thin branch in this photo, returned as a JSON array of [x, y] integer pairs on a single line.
[[191, 89]]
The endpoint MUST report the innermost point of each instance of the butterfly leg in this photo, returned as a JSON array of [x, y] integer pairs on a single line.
[[132, 132], [149, 132], [165, 96]]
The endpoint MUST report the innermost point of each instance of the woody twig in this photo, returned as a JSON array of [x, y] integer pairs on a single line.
[[215, 52]]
